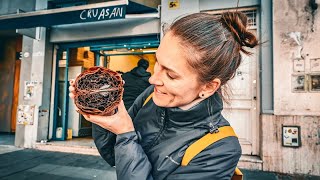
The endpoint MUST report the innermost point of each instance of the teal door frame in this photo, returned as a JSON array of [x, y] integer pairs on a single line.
[[61, 111]]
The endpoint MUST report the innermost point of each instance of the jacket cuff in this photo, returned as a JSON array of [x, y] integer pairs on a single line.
[[126, 138]]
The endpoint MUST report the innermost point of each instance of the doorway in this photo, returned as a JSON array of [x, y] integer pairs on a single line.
[[10, 65], [242, 108], [119, 55]]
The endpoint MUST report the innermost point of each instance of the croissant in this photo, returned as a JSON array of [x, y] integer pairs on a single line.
[[98, 91]]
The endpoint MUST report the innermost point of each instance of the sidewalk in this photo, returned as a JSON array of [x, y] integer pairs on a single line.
[[17, 163], [34, 164]]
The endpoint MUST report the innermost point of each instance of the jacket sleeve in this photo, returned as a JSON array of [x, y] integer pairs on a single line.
[[131, 161], [218, 161], [105, 141]]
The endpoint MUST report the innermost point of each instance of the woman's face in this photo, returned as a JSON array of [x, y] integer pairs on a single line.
[[175, 82]]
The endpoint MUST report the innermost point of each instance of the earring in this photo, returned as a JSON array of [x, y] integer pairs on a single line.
[[202, 95]]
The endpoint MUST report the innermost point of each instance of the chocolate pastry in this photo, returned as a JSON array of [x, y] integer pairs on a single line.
[[98, 91]]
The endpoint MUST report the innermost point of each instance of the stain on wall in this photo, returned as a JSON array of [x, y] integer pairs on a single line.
[[296, 30]]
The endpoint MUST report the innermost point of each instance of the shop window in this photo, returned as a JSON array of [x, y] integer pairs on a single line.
[[252, 18]]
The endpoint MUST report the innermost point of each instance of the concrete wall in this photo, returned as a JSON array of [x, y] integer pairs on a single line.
[[302, 160], [296, 37], [36, 66], [296, 32]]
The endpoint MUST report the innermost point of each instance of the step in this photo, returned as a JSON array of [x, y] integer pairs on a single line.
[[250, 162], [87, 150], [245, 162]]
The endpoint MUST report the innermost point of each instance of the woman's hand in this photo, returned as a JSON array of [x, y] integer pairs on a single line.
[[118, 123]]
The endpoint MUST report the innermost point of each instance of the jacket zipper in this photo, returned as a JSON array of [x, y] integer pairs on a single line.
[[160, 132]]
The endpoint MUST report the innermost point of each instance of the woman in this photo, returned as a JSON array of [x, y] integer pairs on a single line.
[[198, 54]]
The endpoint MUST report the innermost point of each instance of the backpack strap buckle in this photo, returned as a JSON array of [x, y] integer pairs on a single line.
[[213, 128]]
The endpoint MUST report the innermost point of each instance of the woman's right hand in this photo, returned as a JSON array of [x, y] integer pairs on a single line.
[[118, 123]]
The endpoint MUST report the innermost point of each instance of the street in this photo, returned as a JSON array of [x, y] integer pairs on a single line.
[[17, 163]]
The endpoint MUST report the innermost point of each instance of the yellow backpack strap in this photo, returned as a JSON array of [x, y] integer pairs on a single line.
[[237, 175], [148, 99], [206, 141]]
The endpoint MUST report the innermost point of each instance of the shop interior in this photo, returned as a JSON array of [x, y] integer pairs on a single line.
[[69, 127]]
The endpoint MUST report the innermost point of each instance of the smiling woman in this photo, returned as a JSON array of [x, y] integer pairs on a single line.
[[175, 82], [198, 54]]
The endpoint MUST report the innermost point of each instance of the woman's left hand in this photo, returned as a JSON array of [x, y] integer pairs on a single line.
[[118, 123]]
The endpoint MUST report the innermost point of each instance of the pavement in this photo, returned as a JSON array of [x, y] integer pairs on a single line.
[[18, 163]]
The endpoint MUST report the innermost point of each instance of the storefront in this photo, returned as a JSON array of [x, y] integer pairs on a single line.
[[118, 54], [72, 37]]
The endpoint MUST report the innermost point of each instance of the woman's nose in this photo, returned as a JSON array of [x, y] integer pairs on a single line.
[[155, 79]]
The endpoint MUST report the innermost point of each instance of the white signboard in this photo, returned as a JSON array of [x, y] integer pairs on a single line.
[[25, 114], [29, 89]]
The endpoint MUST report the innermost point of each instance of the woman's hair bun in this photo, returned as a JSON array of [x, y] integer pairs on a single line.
[[236, 22]]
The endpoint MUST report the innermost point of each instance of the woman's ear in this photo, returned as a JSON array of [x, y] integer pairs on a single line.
[[210, 88]]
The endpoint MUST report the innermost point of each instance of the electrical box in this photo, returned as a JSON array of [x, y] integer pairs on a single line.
[[291, 136]]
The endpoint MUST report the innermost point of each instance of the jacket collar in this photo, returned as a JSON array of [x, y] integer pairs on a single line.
[[206, 114]]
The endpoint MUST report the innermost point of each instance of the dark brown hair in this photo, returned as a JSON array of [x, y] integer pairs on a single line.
[[213, 43]]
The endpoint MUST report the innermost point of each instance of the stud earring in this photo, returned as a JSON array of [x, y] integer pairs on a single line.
[[202, 95]]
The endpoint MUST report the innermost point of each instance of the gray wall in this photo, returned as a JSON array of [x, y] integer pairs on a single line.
[[36, 67], [11, 6]]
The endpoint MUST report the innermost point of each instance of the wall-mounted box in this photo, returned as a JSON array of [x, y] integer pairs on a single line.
[[298, 83], [315, 65], [298, 65], [291, 136], [314, 82]]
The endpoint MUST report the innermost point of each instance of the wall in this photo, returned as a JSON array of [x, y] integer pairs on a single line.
[[36, 66], [295, 37], [11, 6], [168, 15], [7, 68], [302, 160], [296, 28]]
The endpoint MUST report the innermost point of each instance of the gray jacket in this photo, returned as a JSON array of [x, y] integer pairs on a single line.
[[156, 148]]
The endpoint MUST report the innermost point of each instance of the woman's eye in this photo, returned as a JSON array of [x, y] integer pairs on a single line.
[[170, 76]]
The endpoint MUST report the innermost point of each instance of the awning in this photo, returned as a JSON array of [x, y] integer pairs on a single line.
[[76, 14], [132, 25]]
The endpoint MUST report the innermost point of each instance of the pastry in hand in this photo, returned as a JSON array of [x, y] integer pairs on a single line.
[[98, 91]]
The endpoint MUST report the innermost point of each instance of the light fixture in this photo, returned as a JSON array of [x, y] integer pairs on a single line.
[[149, 51]]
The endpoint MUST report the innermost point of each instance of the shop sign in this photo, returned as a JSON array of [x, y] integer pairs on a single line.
[[100, 14], [47, 18]]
